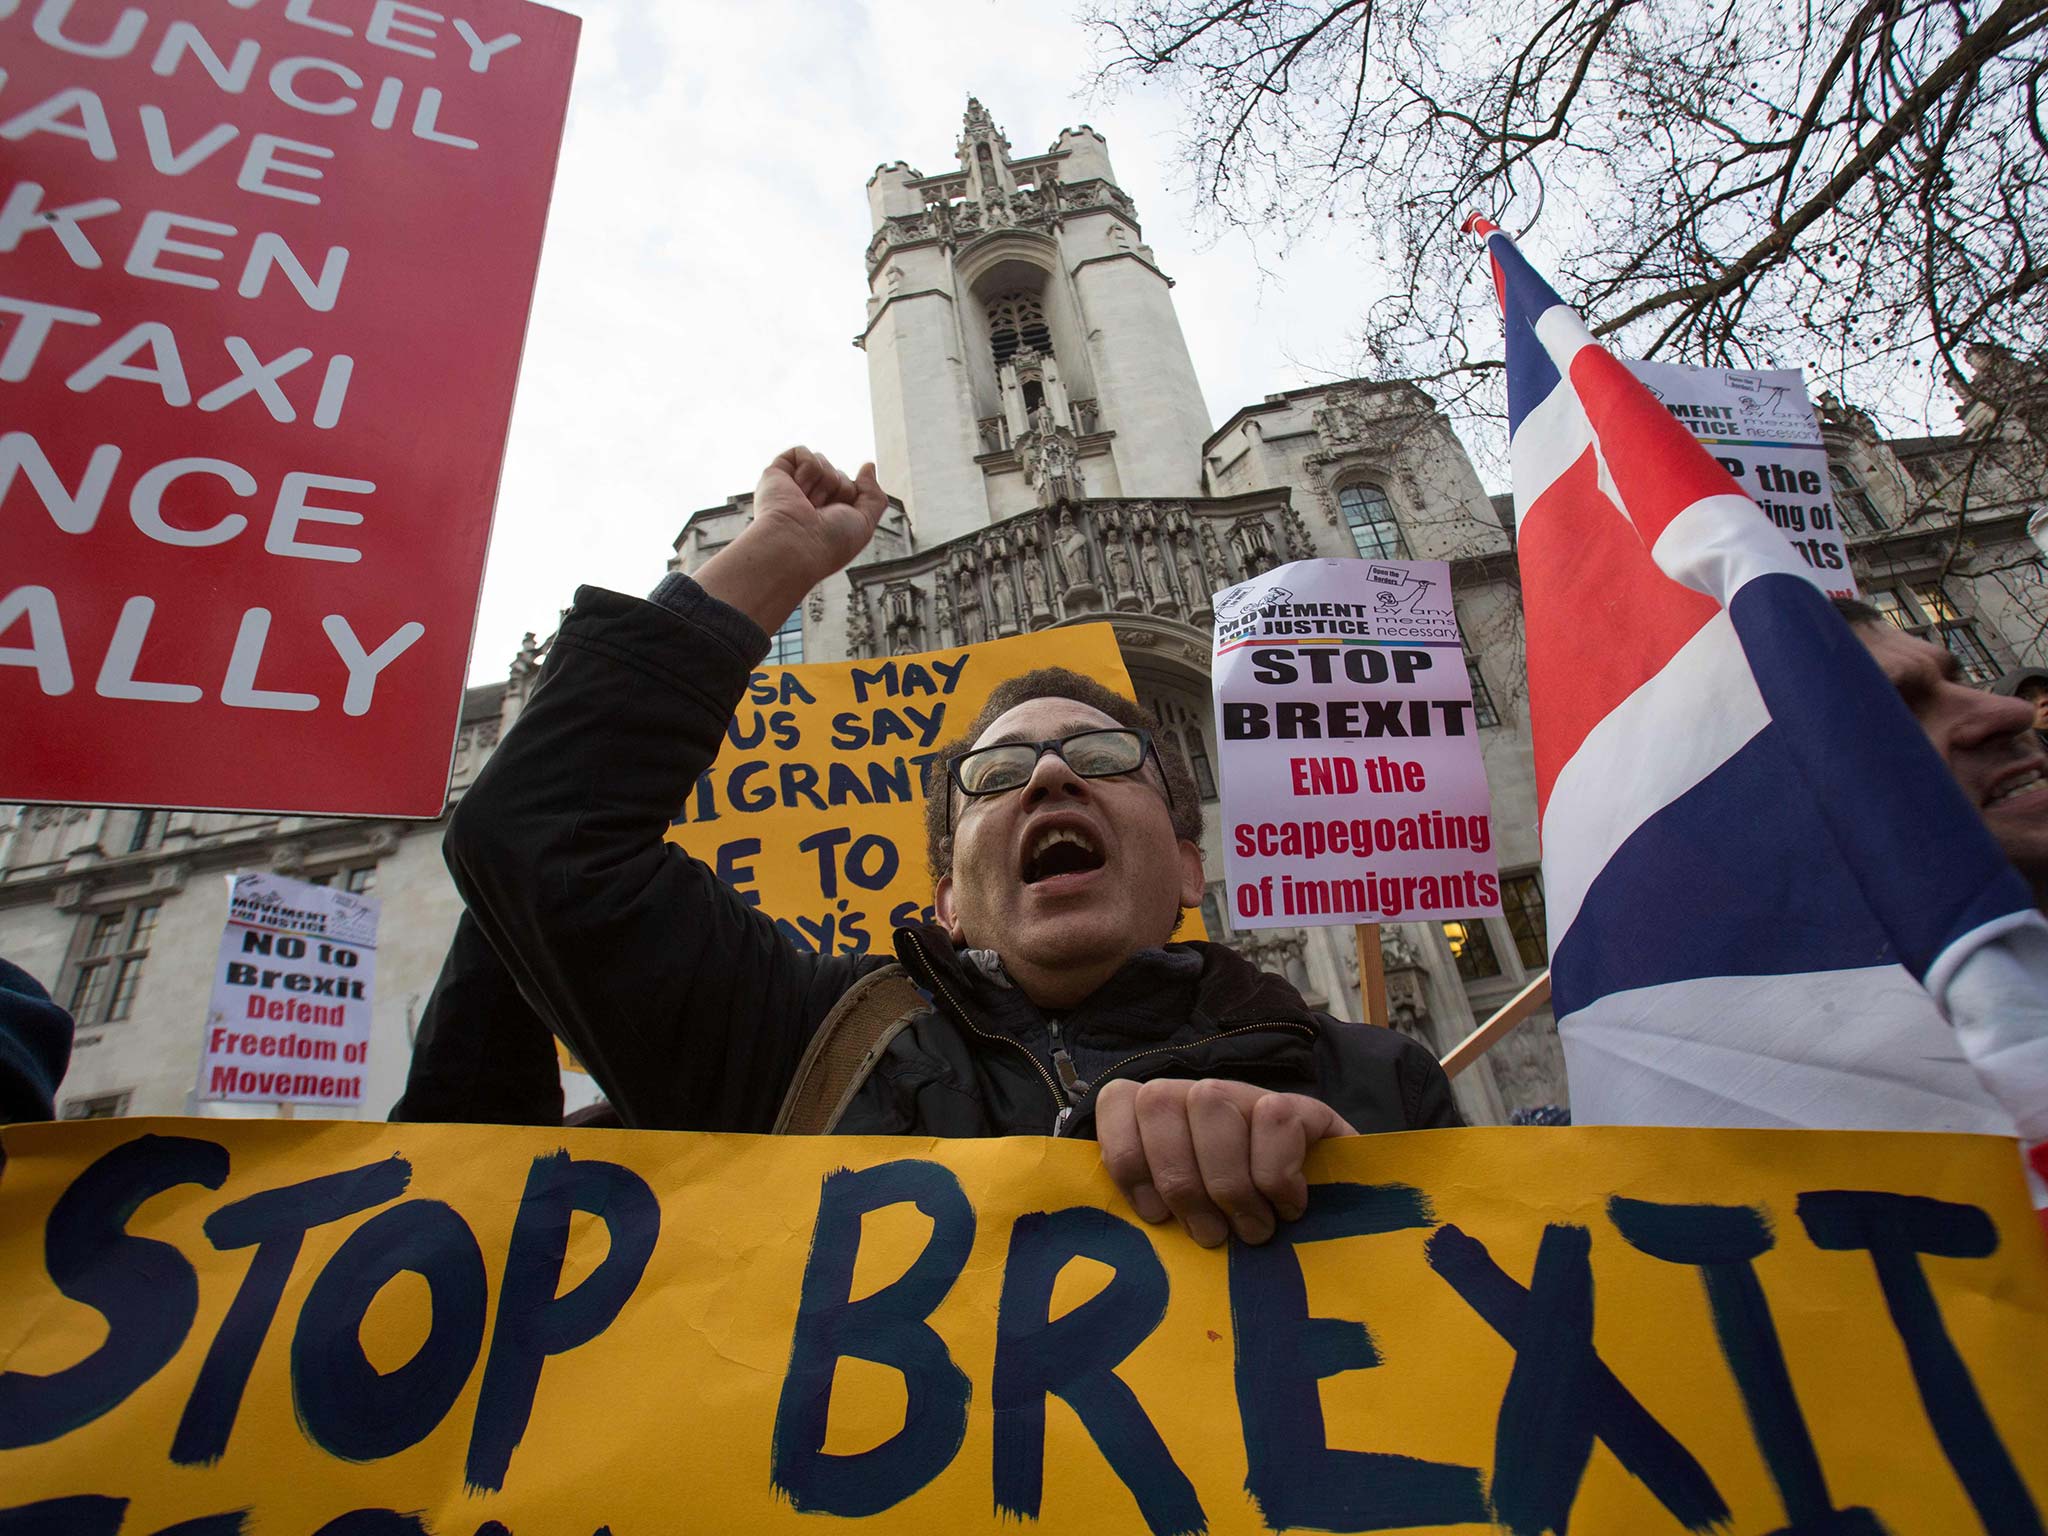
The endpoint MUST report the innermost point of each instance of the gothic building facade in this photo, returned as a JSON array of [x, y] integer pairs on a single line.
[[1038, 417], [1053, 461]]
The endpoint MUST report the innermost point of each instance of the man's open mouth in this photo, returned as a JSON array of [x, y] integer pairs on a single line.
[[2024, 784], [1060, 851]]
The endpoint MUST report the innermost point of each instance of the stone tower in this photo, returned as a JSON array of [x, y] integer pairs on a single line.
[[1022, 345], [1051, 462]]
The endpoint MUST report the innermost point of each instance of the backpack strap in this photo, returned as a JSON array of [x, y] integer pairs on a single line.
[[868, 1015]]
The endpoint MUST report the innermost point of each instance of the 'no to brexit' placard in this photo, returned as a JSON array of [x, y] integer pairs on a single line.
[[1353, 786], [264, 275], [292, 992]]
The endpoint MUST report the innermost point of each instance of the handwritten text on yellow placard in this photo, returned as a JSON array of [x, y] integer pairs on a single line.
[[360, 1328], [814, 810]]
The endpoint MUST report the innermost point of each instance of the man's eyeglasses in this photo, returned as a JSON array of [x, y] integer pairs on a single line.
[[1091, 754]]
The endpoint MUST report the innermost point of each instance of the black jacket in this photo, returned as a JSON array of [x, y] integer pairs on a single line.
[[35, 1047], [691, 1009], [482, 1055]]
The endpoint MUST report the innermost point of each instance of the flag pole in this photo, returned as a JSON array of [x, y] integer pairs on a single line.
[[1512, 1012], [1372, 974]]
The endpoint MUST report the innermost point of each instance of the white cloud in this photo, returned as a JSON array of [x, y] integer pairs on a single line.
[[702, 277]]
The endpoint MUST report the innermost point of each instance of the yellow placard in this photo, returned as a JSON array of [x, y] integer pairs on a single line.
[[814, 809], [342, 1328]]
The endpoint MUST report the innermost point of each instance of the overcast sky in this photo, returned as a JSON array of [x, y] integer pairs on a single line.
[[703, 279]]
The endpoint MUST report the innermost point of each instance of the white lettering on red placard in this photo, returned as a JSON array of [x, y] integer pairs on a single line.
[[264, 275]]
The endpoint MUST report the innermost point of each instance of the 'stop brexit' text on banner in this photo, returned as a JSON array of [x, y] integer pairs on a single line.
[[264, 275], [434, 1330]]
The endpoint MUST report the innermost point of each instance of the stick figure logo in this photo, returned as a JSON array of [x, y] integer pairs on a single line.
[[1767, 400], [1246, 598], [1406, 593]]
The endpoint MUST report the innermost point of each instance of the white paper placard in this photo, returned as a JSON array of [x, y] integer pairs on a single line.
[[292, 993], [1761, 427], [1354, 790]]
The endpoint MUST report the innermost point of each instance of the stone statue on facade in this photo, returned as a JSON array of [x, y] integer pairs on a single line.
[[1123, 585], [1077, 560], [1212, 556], [900, 604], [1006, 599], [994, 201], [1193, 585], [1407, 981], [942, 614], [1034, 581], [1154, 564], [1343, 418], [1051, 463], [972, 631]]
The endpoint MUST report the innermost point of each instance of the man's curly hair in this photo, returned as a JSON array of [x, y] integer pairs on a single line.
[[1051, 683]]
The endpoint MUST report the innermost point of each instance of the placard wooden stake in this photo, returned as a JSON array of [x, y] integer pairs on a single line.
[[1512, 1012], [1372, 974]]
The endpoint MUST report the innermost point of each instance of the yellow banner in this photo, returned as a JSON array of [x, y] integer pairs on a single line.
[[289, 1328], [814, 810]]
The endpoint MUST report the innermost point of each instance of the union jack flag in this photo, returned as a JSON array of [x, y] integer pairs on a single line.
[[1769, 902]]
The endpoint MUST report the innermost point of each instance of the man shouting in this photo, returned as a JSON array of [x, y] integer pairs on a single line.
[[1048, 999]]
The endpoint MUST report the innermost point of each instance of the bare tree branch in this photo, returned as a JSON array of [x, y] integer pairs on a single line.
[[1856, 186]]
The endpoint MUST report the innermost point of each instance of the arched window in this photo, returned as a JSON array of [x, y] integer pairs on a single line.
[[1198, 759], [1016, 320], [1370, 517], [1195, 755], [1854, 509]]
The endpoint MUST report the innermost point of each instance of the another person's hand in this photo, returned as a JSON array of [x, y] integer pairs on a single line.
[[1219, 1155], [810, 520]]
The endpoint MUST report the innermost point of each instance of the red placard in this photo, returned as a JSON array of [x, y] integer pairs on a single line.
[[265, 268]]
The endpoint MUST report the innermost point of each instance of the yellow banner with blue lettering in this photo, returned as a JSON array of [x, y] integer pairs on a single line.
[[364, 1330]]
